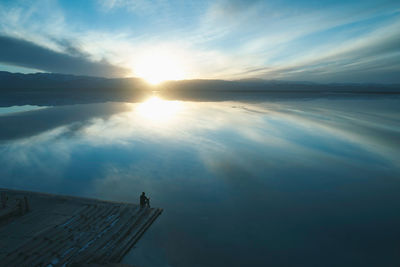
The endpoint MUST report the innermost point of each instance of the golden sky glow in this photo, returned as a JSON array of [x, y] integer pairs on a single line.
[[159, 65]]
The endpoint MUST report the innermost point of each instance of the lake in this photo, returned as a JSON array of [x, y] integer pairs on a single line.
[[261, 182]]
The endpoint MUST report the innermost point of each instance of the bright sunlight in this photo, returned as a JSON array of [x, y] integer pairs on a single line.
[[158, 66], [158, 110]]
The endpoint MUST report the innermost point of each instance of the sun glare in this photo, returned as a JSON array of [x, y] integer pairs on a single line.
[[158, 66], [158, 110]]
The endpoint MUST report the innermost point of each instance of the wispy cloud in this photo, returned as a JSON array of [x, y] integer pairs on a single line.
[[371, 53]]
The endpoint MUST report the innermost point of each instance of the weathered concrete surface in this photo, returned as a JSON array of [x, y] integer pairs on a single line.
[[60, 230]]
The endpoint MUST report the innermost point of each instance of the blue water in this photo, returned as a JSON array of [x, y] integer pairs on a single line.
[[300, 182]]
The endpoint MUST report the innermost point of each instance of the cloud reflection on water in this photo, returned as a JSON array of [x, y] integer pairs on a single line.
[[250, 183]]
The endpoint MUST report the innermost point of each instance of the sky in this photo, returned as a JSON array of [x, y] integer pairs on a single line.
[[320, 41]]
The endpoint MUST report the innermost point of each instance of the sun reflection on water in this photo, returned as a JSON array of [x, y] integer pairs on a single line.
[[158, 110]]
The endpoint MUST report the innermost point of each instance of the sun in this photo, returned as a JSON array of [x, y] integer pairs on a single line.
[[158, 66]]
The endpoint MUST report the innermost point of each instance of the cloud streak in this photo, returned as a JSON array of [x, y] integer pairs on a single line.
[[376, 54], [30, 55]]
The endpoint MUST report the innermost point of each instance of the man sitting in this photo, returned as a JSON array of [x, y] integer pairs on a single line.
[[144, 201]]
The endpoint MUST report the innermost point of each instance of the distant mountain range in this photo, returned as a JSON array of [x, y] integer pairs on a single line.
[[56, 82], [61, 89]]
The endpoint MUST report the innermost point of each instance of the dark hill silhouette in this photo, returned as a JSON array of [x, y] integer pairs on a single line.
[[258, 85], [54, 81], [61, 89]]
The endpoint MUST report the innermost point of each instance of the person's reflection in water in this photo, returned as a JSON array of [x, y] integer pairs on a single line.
[[144, 201]]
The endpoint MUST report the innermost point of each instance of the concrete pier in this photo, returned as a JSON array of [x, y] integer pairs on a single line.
[[39, 229]]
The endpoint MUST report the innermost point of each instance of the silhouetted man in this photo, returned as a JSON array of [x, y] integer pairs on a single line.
[[144, 201]]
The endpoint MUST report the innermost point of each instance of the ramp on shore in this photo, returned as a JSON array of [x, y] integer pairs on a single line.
[[39, 229]]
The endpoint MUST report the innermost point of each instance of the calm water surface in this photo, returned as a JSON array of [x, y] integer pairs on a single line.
[[307, 182]]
